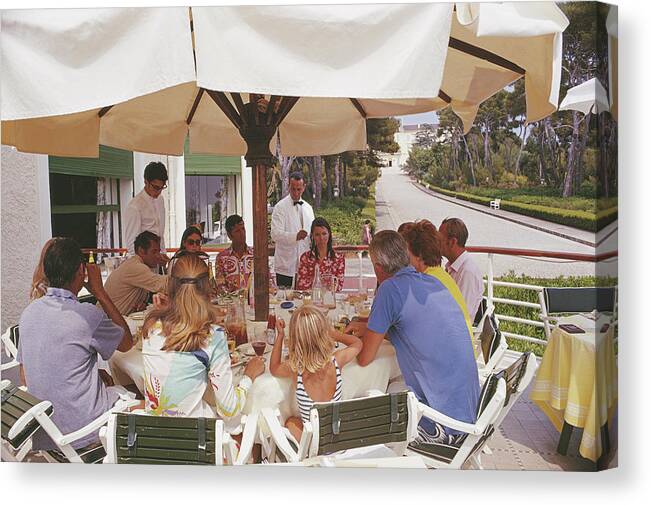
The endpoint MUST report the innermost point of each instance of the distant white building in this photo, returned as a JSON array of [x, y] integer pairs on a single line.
[[406, 138]]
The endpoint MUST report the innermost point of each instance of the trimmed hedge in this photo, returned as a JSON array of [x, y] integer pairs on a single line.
[[576, 218]]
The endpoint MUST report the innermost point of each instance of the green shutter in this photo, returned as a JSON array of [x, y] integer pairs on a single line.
[[112, 162], [210, 164]]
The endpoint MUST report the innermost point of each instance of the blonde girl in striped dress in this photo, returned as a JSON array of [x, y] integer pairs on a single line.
[[313, 363]]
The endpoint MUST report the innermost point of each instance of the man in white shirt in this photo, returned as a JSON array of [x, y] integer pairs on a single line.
[[461, 267], [291, 219], [146, 211]]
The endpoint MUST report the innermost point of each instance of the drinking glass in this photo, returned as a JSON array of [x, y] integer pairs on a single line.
[[259, 340]]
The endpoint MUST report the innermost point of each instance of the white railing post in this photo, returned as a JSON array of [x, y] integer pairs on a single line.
[[543, 313], [361, 271], [489, 297]]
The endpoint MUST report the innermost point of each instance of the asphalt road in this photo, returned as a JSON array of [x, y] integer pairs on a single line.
[[398, 200]]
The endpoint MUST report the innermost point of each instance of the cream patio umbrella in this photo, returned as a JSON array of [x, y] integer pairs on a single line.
[[589, 97], [143, 80]]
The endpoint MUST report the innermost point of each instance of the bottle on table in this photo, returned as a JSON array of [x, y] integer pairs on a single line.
[[317, 285], [271, 327]]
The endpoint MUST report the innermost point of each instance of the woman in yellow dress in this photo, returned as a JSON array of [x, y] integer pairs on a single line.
[[424, 248]]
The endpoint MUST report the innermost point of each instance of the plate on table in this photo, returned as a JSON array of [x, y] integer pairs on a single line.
[[237, 359], [247, 349]]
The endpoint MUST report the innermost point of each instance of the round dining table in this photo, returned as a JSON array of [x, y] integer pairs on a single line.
[[267, 390]]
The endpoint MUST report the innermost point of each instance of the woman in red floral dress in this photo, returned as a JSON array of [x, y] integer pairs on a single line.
[[331, 264]]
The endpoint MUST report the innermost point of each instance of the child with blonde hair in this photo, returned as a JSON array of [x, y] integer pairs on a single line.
[[312, 362]]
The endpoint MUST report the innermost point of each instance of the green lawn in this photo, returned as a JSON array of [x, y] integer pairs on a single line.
[[346, 216], [544, 196]]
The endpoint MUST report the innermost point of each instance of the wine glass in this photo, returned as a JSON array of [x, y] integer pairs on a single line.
[[259, 338]]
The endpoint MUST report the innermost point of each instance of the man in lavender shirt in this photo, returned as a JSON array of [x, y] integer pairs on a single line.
[[461, 267], [60, 340]]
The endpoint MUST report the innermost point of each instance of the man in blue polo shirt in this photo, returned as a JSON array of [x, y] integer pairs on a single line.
[[430, 335]]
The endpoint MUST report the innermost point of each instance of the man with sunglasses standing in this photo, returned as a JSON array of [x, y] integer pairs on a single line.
[[146, 211]]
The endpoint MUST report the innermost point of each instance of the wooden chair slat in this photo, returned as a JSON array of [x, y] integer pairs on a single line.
[[384, 420], [360, 433], [349, 444], [12, 411], [18, 401], [155, 461], [164, 422], [166, 433], [367, 403], [166, 443], [167, 454], [363, 413]]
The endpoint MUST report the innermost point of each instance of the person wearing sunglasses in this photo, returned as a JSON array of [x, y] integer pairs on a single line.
[[190, 244], [146, 211], [191, 240]]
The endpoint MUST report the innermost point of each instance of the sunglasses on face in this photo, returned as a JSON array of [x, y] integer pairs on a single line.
[[193, 242], [158, 188]]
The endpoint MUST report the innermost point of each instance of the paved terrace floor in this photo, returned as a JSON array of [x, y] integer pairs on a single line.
[[527, 440]]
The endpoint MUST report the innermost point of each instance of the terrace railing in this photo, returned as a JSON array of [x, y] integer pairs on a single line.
[[364, 279]]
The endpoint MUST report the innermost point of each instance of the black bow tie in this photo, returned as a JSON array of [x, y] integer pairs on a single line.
[[299, 202]]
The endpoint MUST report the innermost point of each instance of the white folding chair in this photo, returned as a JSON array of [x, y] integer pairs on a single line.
[[138, 438], [439, 455], [337, 430]]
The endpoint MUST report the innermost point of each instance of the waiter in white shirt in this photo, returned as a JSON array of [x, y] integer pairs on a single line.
[[146, 211], [461, 267], [291, 219]]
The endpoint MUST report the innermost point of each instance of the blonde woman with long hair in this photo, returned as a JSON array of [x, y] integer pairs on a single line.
[[39, 280], [312, 363], [185, 350]]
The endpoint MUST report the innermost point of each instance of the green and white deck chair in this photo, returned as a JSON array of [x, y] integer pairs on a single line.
[[518, 376], [10, 341], [388, 420], [18, 425], [435, 455], [145, 439], [40, 414], [492, 345]]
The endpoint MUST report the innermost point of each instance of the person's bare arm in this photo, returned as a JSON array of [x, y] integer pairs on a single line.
[[276, 367], [23, 381], [354, 346], [96, 288], [371, 342]]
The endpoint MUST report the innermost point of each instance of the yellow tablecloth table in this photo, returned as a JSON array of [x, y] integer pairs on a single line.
[[577, 380]]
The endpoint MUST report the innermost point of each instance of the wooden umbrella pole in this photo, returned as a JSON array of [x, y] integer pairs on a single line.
[[260, 242], [257, 126]]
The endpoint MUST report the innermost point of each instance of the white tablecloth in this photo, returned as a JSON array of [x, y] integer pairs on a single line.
[[267, 390]]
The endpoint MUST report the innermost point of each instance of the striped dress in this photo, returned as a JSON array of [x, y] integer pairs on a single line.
[[305, 403]]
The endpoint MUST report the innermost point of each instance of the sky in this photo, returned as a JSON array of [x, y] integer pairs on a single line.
[[425, 117]]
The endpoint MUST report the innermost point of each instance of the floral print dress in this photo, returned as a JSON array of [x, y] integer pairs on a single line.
[[175, 382], [328, 268]]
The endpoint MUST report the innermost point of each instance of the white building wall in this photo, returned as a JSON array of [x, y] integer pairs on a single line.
[[26, 226]]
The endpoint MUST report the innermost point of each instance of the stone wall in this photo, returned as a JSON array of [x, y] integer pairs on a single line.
[[24, 231]]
